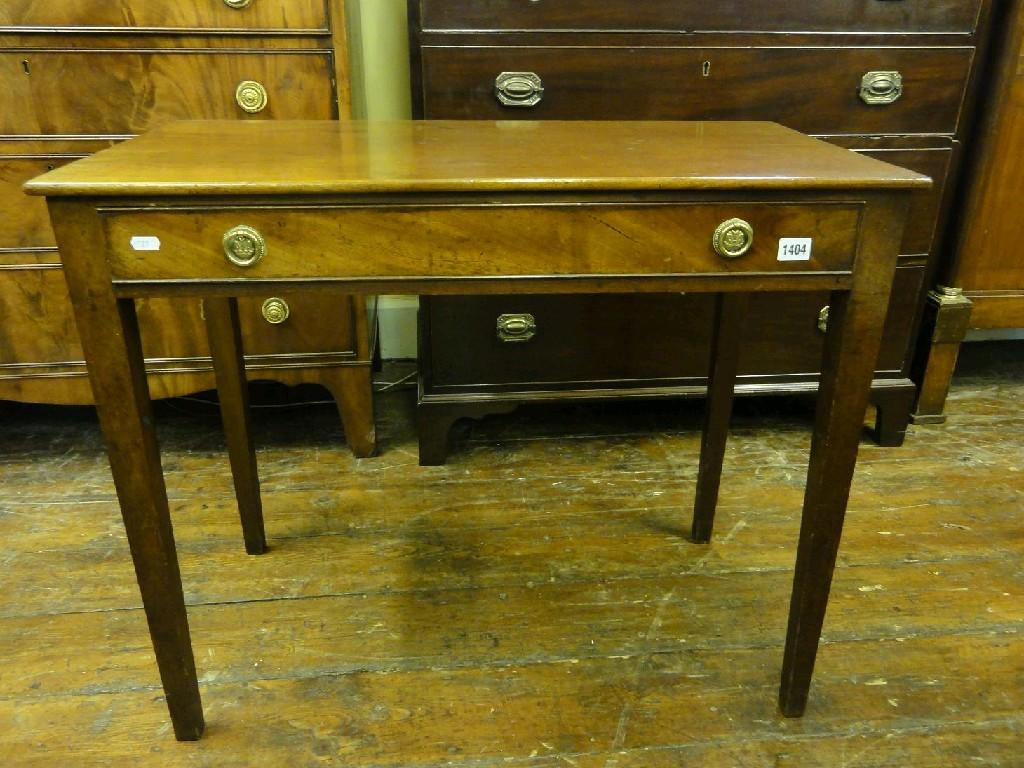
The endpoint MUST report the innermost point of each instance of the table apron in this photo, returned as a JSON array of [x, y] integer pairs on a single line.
[[414, 285]]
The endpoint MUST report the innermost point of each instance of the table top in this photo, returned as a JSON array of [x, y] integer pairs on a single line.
[[221, 157]]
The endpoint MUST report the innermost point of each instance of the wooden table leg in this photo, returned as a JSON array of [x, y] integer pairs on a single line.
[[730, 312], [109, 332], [225, 335], [856, 320]]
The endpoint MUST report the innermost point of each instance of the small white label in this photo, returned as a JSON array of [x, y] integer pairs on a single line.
[[149, 243], [795, 248]]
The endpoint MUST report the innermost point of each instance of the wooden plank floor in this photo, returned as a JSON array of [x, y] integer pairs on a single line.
[[533, 603]]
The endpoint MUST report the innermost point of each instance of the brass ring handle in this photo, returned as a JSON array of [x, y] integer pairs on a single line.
[[519, 89], [516, 327], [732, 238], [244, 246], [275, 310], [251, 96], [238, 4], [823, 319], [881, 87]]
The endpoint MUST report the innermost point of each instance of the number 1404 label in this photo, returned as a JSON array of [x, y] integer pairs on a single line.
[[795, 248]]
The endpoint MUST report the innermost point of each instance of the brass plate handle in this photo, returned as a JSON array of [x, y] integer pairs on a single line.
[[733, 238], [244, 246], [275, 310], [519, 89], [251, 96], [238, 4], [823, 319], [516, 327], [881, 87]]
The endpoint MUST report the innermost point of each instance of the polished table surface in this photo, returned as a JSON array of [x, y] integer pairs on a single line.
[[222, 209]]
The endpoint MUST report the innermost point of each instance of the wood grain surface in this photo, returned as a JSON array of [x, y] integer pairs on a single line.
[[812, 89], [541, 609], [145, 15], [309, 156], [118, 93], [987, 263], [480, 238]]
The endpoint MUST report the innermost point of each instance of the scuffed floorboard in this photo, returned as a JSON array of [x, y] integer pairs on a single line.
[[535, 603]]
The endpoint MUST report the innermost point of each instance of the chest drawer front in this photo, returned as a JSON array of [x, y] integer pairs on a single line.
[[24, 221], [118, 93], [478, 241], [312, 322], [608, 341], [698, 16], [39, 326], [923, 215], [814, 90], [180, 15]]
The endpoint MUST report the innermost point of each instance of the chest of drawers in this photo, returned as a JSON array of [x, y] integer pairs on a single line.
[[80, 75], [891, 79]]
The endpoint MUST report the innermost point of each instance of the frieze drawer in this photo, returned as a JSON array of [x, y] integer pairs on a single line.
[[512, 239]]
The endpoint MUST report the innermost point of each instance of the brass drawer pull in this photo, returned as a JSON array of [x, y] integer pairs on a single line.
[[244, 246], [275, 310], [251, 96], [519, 89], [881, 87], [516, 327], [238, 4], [823, 319], [733, 238]]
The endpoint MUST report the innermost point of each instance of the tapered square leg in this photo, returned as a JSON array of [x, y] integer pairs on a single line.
[[225, 335], [729, 316], [109, 332], [851, 350]]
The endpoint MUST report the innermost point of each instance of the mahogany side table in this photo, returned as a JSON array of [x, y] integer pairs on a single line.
[[220, 210]]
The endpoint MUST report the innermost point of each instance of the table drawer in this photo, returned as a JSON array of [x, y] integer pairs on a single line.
[[697, 15], [814, 90], [611, 238], [178, 16], [119, 93], [626, 341]]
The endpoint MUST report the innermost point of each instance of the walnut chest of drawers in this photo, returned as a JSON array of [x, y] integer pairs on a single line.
[[79, 75], [889, 78]]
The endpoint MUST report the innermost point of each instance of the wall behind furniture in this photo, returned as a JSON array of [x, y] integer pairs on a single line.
[[381, 91]]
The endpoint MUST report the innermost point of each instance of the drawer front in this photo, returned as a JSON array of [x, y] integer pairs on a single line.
[[182, 15], [24, 221], [36, 324], [814, 90], [628, 341], [118, 93], [479, 240], [923, 216], [697, 16], [288, 323]]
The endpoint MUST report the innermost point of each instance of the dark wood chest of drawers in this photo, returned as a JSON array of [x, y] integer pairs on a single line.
[[889, 78]]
